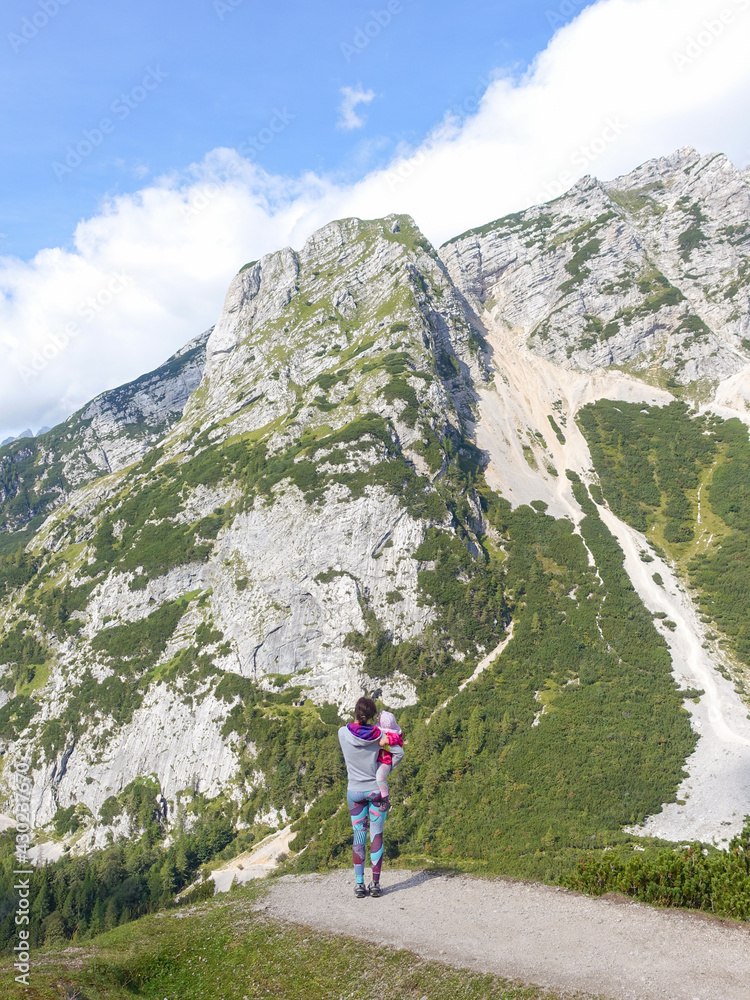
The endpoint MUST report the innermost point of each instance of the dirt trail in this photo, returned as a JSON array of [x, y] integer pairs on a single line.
[[258, 863], [533, 933], [480, 669]]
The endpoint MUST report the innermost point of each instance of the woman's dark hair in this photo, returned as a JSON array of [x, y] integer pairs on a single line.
[[364, 710]]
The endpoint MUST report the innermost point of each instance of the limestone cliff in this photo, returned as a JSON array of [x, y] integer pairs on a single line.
[[280, 517], [115, 429], [649, 273]]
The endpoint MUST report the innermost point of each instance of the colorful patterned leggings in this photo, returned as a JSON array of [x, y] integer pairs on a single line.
[[367, 808]]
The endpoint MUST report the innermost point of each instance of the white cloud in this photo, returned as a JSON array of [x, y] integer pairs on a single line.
[[663, 73], [353, 97]]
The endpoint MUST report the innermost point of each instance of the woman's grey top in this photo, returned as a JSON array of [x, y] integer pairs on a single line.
[[361, 757]]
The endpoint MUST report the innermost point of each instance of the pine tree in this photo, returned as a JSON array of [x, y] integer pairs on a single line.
[[477, 732]]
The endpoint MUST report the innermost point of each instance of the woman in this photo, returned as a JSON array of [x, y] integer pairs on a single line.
[[360, 744]]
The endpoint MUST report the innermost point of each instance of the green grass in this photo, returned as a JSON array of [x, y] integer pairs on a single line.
[[224, 950], [637, 200]]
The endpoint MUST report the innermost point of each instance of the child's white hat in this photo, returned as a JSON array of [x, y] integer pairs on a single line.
[[388, 721]]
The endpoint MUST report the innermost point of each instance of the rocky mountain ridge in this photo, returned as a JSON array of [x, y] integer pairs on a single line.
[[294, 509], [117, 428], [648, 274]]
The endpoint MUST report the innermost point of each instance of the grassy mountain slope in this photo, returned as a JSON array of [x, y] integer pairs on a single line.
[[682, 479]]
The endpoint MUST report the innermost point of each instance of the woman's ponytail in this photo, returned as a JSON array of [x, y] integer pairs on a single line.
[[365, 710]]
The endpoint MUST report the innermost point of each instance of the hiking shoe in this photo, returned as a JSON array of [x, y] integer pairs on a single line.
[[375, 890], [359, 890]]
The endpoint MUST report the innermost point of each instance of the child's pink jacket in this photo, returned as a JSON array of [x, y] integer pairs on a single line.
[[394, 740]]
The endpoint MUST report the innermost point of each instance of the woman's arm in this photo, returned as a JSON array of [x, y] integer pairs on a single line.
[[397, 753]]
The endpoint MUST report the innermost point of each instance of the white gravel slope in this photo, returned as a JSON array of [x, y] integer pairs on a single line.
[[533, 933], [527, 389], [717, 792], [254, 864]]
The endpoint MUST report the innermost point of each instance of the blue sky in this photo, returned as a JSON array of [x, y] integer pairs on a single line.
[[455, 113], [229, 69]]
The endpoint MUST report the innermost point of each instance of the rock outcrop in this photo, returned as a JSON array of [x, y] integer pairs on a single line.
[[280, 517], [649, 274], [109, 433]]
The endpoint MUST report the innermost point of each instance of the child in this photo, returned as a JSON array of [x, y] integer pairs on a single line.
[[391, 737]]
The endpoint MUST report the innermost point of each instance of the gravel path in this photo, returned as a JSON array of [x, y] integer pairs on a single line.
[[257, 863], [532, 933]]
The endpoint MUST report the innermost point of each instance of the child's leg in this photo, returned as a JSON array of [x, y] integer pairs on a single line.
[[381, 776], [358, 813], [378, 814]]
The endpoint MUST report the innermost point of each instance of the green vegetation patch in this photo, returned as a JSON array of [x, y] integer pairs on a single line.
[[639, 199], [722, 571], [21, 649], [16, 571], [556, 428], [138, 801], [399, 388], [15, 715], [692, 237], [655, 465], [30, 489], [586, 245], [140, 644], [57, 608], [152, 541], [689, 876], [517, 223], [648, 459]]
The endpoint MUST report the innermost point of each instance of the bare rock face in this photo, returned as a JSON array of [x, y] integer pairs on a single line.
[[123, 424], [649, 274], [114, 430], [307, 346], [274, 529], [349, 277]]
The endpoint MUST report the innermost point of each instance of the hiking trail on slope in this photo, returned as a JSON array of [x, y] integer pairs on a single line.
[[560, 940]]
